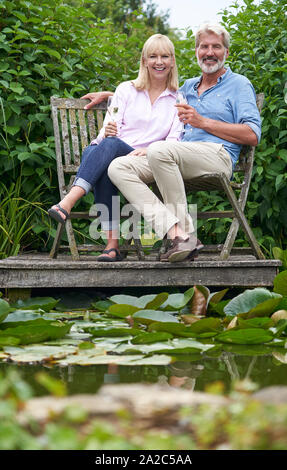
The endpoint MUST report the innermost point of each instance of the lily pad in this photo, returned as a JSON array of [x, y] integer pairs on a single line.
[[149, 316], [150, 301], [122, 310], [35, 303], [102, 305], [38, 353], [205, 325], [256, 322], [35, 331], [9, 341], [280, 283], [170, 347], [147, 338], [245, 336], [4, 309], [110, 331], [253, 303], [176, 302], [177, 329]]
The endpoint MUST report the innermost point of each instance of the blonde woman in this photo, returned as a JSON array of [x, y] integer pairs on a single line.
[[146, 114]]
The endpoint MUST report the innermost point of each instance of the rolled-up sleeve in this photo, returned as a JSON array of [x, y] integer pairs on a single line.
[[245, 108]]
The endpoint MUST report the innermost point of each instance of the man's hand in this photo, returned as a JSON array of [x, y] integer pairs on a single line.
[[188, 115], [96, 97], [240, 134], [140, 152], [111, 129]]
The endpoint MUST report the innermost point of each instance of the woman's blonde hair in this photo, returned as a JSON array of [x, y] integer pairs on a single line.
[[157, 43]]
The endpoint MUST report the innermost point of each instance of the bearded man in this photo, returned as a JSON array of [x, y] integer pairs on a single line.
[[220, 117]]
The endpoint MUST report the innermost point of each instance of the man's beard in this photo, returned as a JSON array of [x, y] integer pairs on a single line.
[[211, 68]]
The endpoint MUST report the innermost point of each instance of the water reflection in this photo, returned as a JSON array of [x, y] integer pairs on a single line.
[[191, 373]]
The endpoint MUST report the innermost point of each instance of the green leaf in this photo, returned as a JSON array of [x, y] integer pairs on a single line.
[[35, 331], [255, 302], [245, 336], [102, 305], [12, 130], [111, 331], [157, 301], [177, 329], [256, 322], [35, 303], [216, 297], [176, 302], [14, 86], [204, 325], [150, 301], [149, 316], [122, 310], [147, 338], [4, 309], [280, 283]]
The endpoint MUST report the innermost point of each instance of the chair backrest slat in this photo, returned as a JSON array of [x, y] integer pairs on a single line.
[[83, 129], [100, 119], [74, 136], [65, 135], [91, 124], [74, 128]]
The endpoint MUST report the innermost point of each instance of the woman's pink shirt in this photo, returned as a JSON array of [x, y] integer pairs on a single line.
[[139, 122]]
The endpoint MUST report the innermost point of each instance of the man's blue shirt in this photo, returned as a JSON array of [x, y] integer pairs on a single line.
[[231, 100]]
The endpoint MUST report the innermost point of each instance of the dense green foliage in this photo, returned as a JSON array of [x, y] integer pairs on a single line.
[[259, 35], [66, 49]]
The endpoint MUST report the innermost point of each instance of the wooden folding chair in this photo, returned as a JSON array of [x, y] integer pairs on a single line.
[[74, 128], [218, 181]]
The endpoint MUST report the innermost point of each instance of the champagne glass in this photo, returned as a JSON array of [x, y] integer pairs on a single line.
[[113, 107], [181, 99]]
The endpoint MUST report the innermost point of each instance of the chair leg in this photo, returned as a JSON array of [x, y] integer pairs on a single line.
[[72, 241], [139, 249], [230, 239], [56, 245], [243, 221]]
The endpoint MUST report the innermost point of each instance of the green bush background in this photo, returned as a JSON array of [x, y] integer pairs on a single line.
[[67, 49]]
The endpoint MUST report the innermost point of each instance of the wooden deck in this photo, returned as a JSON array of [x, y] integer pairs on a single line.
[[37, 270]]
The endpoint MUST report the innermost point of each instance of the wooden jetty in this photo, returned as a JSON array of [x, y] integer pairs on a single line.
[[38, 270]]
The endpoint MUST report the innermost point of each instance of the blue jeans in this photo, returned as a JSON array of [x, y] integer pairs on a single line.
[[92, 174]]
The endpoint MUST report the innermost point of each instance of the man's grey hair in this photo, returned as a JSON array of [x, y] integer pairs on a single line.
[[215, 28]]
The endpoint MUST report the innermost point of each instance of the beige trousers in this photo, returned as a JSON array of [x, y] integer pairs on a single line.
[[168, 164]]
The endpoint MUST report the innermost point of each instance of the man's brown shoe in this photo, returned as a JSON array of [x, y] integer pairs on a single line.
[[181, 249]]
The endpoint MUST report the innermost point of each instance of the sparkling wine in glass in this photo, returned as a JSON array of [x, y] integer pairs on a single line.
[[181, 99], [112, 107]]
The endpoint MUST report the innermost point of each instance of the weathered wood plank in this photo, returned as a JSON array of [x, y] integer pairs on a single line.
[[40, 271]]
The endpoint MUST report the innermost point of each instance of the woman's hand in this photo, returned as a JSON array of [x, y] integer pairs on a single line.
[[96, 98], [111, 129], [140, 152]]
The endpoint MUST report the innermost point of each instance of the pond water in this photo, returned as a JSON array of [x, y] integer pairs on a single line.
[[265, 370], [263, 364]]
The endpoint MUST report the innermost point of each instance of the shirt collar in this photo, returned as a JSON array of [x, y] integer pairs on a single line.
[[219, 80]]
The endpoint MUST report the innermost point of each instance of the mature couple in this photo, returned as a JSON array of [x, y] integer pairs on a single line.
[[220, 117]]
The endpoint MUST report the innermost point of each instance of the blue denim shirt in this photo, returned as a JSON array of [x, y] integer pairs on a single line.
[[231, 100]]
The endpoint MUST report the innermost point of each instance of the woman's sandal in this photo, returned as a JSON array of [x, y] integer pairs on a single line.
[[56, 216], [108, 258]]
